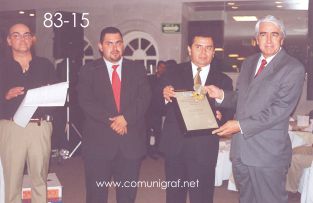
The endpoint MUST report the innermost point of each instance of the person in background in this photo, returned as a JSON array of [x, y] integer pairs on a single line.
[[169, 63], [268, 89], [114, 95], [155, 111], [32, 144], [191, 157]]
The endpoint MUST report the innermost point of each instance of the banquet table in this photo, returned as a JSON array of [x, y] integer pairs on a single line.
[[223, 170], [306, 185]]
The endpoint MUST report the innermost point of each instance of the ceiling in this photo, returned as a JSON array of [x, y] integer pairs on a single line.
[[238, 36], [249, 5]]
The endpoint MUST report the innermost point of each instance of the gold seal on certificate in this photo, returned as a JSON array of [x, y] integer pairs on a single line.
[[194, 111], [199, 92]]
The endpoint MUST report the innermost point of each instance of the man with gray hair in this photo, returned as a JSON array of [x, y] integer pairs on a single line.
[[268, 88]]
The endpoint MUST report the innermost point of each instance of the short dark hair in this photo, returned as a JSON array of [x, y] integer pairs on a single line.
[[199, 33], [161, 62], [111, 30]]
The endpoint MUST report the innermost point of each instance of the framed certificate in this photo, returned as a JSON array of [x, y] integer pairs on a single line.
[[194, 112]]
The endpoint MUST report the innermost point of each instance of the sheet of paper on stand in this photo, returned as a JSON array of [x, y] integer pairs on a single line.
[[50, 95]]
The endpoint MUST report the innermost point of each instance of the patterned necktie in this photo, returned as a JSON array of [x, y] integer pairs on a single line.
[[197, 79], [116, 86], [262, 66]]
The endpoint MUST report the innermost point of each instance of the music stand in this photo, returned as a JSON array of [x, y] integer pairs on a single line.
[[69, 124]]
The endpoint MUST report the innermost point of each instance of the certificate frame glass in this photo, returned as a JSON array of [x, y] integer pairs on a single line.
[[195, 116]]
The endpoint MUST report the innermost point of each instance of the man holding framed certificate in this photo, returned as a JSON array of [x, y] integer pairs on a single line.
[[189, 148]]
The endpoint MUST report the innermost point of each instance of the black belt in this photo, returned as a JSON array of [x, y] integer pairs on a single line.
[[38, 120], [47, 118]]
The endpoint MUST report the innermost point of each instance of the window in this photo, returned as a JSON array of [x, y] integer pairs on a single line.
[[140, 46]]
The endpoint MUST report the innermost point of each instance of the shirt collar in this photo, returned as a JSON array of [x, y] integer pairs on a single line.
[[110, 64], [204, 69], [268, 59]]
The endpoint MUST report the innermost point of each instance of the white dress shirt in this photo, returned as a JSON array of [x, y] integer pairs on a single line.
[[203, 73], [110, 69]]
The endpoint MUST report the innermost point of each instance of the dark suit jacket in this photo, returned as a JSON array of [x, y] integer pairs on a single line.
[[173, 141], [263, 106], [97, 101], [156, 109]]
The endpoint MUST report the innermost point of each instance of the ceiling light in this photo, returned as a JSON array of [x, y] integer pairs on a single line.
[[234, 66], [21, 12], [31, 14], [231, 3], [219, 49], [233, 55], [278, 2], [234, 7], [279, 6], [241, 58], [245, 18]]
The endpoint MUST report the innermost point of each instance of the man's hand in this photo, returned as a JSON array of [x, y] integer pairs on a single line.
[[14, 92], [228, 129], [168, 92], [119, 125], [214, 92]]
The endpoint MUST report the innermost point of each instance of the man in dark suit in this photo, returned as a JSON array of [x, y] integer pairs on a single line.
[[114, 94], [191, 157], [264, 99]]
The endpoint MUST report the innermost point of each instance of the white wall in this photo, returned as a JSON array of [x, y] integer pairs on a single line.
[[126, 18]]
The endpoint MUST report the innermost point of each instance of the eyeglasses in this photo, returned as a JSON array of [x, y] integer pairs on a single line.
[[19, 36]]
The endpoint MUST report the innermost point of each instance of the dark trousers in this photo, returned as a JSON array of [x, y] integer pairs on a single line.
[[187, 169], [99, 171]]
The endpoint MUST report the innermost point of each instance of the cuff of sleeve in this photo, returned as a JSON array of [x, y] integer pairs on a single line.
[[240, 127], [219, 101]]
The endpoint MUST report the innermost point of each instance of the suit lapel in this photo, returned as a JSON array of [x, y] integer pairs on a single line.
[[187, 76], [270, 68], [252, 70], [126, 82], [103, 80]]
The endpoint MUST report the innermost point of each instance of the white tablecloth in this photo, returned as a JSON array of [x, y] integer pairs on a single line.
[[299, 138], [1, 184], [306, 185], [223, 170]]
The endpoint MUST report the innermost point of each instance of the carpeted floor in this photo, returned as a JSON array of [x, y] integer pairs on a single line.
[[71, 175]]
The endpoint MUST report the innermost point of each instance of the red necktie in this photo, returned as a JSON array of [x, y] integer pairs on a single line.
[[116, 86], [262, 66]]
